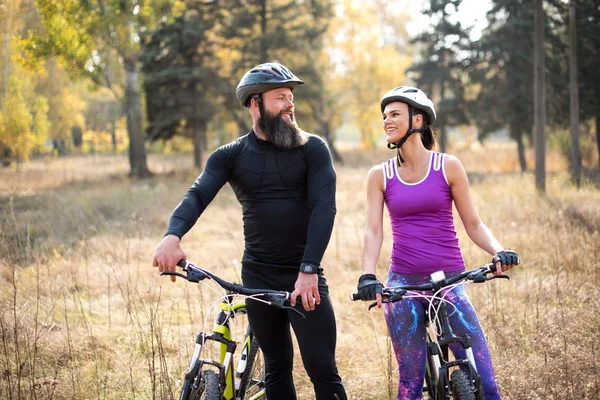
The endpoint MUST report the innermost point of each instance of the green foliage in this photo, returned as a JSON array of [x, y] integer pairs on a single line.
[[588, 57], [91, 38], [15, 133], [258, 31], [560, 141], [441, 72], [180, 82], [503, 69]]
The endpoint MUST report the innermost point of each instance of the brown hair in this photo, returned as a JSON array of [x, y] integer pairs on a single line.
[[427, 137]]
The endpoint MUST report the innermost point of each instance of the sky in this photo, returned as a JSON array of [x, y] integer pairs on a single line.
[[470, 12]]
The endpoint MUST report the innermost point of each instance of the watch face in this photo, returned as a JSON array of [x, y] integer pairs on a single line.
[[308, 269]]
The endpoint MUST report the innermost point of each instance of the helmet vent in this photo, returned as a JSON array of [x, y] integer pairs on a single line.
[[410, 91]]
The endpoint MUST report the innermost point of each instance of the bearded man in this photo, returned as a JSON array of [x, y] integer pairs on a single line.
[[285, 182]]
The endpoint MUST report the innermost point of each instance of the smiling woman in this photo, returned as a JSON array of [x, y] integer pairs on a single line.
[[419, 186]]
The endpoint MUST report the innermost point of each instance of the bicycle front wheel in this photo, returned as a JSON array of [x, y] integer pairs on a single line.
[[461, 387], [252, 385], [204, 386]]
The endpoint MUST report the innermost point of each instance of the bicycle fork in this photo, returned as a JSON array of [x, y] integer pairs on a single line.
[[222, 334], [437, 352]]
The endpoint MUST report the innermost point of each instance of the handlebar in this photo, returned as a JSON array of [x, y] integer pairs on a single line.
[[477, 275], [195, 274]]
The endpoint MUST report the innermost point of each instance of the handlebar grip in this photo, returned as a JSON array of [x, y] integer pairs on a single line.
[[181, 263], [354, 296]]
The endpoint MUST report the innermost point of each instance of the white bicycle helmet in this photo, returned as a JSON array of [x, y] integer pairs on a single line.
[[412, 96]]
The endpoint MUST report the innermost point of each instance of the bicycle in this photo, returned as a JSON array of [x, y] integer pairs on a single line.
[[463, 383], [214, 379]]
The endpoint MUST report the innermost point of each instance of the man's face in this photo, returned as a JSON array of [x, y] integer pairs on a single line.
[[279, 101], [278, 121]]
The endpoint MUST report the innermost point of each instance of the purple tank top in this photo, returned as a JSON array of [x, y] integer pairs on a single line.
[[422, 224]]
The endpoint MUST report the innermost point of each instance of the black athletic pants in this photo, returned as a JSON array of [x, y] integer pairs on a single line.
[[316, 335]]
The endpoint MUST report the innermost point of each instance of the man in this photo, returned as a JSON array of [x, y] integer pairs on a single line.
[[284, 179]]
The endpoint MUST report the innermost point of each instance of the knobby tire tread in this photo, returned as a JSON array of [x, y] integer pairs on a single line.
[[246, 376], [461, 387]]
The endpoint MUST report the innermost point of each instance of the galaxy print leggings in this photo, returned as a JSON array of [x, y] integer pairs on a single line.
[[406, 323]]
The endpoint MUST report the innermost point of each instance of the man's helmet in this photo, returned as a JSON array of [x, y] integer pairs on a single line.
[[413, 97], [265, 77]]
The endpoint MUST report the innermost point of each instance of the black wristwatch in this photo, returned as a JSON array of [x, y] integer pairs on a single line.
[[309, 268]]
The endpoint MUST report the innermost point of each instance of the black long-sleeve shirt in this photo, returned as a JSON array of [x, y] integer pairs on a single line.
[[287, 198]]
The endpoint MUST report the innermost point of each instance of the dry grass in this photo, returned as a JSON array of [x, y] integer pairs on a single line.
[[83, 315]]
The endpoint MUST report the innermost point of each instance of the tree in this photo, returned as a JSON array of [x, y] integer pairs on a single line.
[[588, 46], [574, 96], [180, 82], [363, 64], [441, 71], [503, 69], [41, 125], [99, 39], [15, 133], [258, 31], [540, 98]]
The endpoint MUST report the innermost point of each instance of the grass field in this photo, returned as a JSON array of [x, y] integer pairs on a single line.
[[83, 315]]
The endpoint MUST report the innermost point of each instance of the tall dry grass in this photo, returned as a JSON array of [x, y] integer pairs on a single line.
[[83, 314]]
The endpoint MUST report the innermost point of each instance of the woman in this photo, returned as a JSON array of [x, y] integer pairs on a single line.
[[418, 187]]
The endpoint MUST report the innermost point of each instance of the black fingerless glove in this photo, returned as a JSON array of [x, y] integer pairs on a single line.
[[368, 287], [507, 257]]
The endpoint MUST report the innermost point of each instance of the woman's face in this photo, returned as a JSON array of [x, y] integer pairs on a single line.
[[395, 121]]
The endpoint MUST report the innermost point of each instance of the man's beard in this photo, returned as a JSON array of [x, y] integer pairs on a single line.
[[282, 133]]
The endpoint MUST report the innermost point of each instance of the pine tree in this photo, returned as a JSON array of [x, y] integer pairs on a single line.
[[441, 73], [503, 70], [285, 31], [181, 84], [588, 50]]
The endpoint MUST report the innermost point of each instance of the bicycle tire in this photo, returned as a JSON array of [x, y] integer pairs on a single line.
[[204, 386], [430, 388], [253, 378], [461, 386]]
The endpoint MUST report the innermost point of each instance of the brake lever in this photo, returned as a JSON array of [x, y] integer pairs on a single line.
[[279, 303], [174, 274], [384, 300], [293, 309], [481, 277], [195, 276]]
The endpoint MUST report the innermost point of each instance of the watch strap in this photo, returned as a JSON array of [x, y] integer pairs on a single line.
[[310, 268]]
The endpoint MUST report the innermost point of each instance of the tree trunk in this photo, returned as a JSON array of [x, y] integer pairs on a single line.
[[598, 137], [7, 34], [574, 98], [443, 138], [137, 150], [539, 99], [198, 132], [244, 128], [442, 119], [325, 132], [521, 150], [263, 28], [113, 137]]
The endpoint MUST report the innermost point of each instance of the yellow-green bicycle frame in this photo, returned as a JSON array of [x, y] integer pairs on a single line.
[[221, 333]]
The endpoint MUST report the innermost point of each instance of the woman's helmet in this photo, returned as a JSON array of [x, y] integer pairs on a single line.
[[413, 97], [265, 77]]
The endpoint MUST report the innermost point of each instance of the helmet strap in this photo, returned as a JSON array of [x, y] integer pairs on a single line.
[[261, 107]]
